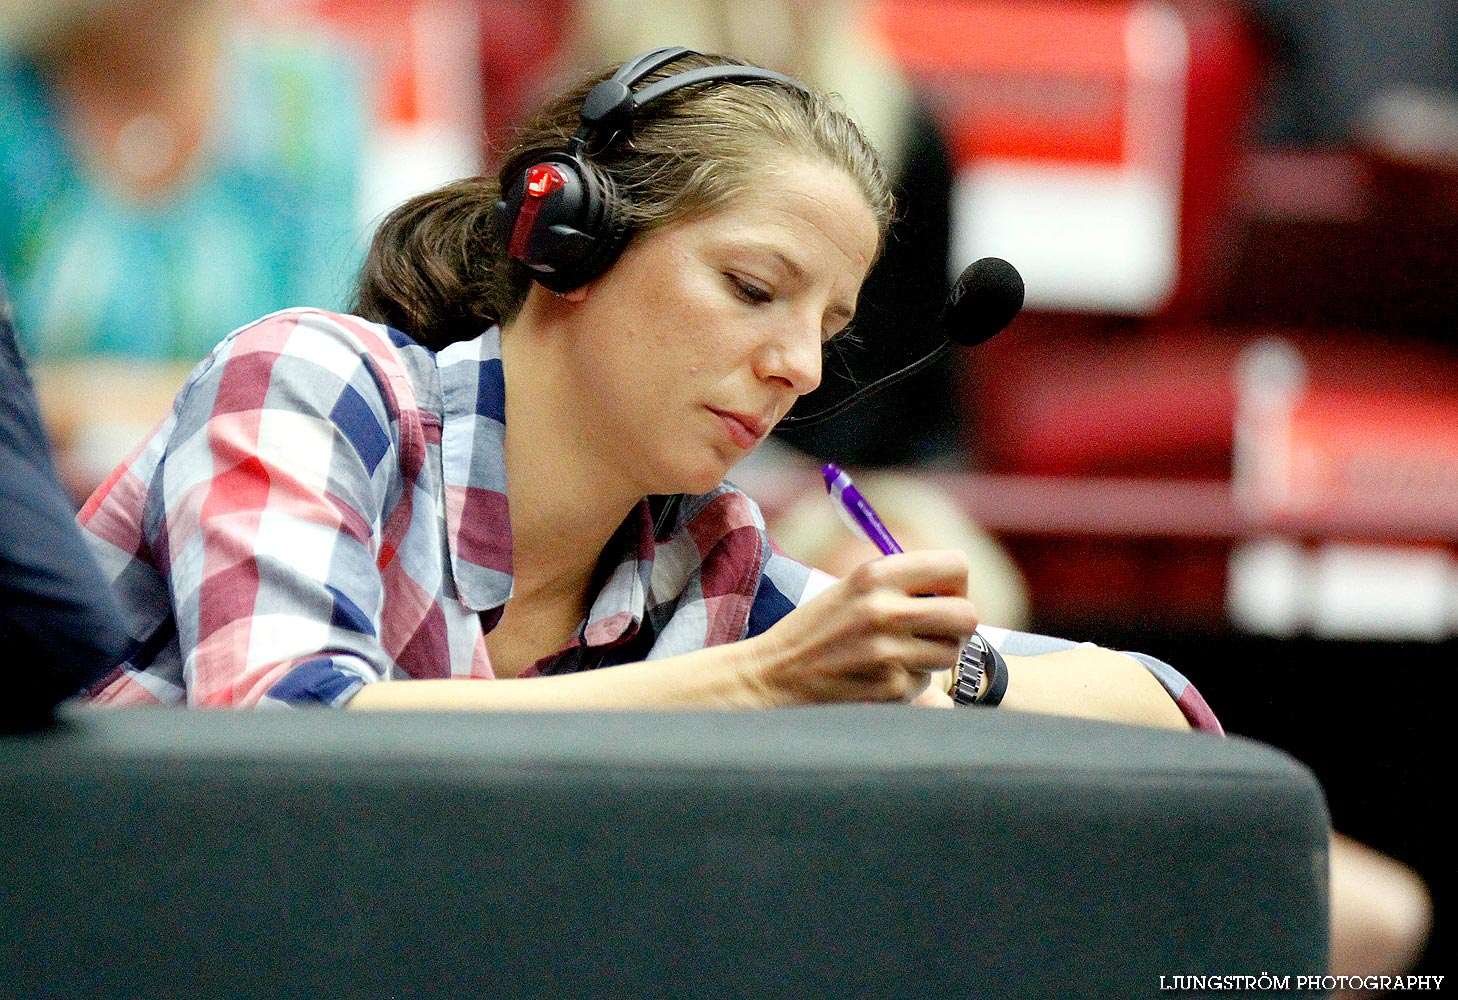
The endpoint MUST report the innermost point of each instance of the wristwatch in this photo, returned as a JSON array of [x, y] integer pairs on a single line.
[[979, 659]]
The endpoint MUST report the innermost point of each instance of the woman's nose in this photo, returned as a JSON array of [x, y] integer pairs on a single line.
[[795, 357]]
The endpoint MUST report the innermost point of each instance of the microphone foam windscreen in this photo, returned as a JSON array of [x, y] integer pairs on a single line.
[[984, 300]]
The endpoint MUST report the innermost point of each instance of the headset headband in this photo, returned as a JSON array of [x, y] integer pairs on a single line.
[[609, 107], [561, 217]]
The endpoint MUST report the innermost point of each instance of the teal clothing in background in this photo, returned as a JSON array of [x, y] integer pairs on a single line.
[[268, 216]]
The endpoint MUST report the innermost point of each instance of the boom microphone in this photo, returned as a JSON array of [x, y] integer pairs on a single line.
[[986, 297]]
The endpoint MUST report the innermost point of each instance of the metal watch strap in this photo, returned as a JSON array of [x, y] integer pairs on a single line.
[[996, 669], [970, 667], [977, 659]]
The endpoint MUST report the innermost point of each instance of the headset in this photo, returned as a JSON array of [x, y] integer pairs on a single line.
[[562, 217]]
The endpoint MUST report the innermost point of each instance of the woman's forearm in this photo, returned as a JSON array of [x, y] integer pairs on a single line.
[[867, 638], [717, 677], [1091, 682], [1087, 682]]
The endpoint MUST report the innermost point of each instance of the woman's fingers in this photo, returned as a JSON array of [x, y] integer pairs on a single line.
[[912, 653], [940, 618], [933, 571], [917, 603], [904, 671], [877, 635], [933, 697]]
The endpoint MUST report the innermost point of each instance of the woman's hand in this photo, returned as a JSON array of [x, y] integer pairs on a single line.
[[877, 635], [937, 693]]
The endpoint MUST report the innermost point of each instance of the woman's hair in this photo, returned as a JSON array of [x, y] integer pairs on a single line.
[[437, 270], [829, 43]]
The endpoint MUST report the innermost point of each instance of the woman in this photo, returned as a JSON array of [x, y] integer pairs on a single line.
[[326, 512]]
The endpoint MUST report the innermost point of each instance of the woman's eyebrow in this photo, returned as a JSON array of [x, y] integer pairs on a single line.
[[796, 271], [839, 310]]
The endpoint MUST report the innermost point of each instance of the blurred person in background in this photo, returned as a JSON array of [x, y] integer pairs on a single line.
[[827, 43], [1381, 914], [168, 171]]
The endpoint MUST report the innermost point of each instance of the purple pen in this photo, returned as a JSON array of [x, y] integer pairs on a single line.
[[854, 511]]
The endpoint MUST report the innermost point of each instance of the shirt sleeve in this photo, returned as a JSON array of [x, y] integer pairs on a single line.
[[278, 483], [59, 627]]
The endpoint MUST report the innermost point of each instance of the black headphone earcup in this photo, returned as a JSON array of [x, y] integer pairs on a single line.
[[610, 230], [561, 220]]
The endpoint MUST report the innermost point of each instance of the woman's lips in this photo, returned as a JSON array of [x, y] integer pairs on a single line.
[[744, 429]]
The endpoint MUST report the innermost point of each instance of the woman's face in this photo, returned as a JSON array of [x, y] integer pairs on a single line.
[[707, 330]]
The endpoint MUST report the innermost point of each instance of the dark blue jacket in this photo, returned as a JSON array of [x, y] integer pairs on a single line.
[[59, 627]]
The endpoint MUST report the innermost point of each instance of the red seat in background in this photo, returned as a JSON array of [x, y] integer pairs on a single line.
[[1092, 381], [1347, 255]]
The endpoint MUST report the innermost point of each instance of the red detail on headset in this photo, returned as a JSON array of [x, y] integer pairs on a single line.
[[541, 180]]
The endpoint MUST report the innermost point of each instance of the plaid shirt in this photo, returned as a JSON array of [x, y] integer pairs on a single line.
[[325, 507]]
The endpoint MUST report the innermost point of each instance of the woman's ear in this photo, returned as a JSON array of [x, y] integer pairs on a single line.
[[544, 301]]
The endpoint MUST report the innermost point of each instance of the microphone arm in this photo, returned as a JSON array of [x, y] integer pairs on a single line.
[[984, 300], [867, 391]]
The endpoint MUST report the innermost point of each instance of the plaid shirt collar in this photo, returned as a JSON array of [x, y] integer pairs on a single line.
[[473, 460]]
